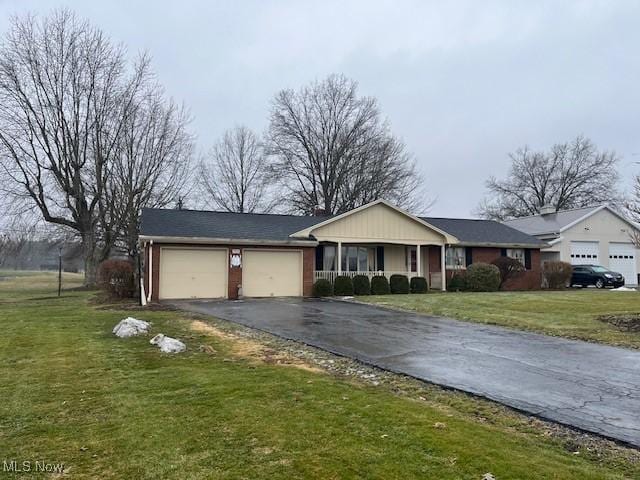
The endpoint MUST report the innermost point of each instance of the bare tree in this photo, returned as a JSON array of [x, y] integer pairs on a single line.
[[235, 176], [633, 209], [67, 97], [572, 174], [333, 151], [152, 166]]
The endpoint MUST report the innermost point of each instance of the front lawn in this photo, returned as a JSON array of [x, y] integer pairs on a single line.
[[571, 313], [117, 408]]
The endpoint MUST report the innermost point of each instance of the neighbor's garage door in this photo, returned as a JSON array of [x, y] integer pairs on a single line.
[[193, 273], [622, 259], [585, 253], [272, 273]]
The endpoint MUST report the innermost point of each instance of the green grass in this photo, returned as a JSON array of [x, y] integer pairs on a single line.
[[571, 314], [113, 408]]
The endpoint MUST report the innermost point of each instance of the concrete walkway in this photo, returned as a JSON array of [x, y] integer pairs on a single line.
[[592, 387]]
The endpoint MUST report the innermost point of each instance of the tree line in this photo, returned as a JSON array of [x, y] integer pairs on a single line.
[[88, 138]]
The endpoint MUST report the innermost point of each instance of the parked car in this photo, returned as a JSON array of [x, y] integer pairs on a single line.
[[601, 277]]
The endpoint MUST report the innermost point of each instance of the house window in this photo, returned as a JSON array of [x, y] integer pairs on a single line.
[[357, 259], [455, 258], [329, 261], [517, 253], [411, 259]]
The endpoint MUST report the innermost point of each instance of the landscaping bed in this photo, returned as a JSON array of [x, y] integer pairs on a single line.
[[629, 322]]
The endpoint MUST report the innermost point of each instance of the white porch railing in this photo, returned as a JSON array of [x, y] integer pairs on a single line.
[[332, 274]]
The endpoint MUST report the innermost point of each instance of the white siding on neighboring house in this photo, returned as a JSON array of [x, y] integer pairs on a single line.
[[606, 229]]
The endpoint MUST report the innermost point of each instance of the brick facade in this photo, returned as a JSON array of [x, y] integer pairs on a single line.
[[529, 280], [234, 278]]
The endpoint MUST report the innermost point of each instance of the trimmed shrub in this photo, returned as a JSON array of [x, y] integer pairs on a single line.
[[482, 277], [379, 285], [458, 282], [399, 284], [361, 285], [322, 288], [117, 278], [556, 274], [509, 268], [418, 285], [343, 286]]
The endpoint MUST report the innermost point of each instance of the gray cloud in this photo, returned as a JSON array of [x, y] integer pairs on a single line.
[[462, 83]]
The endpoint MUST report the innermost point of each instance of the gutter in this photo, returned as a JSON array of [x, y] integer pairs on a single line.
[[501, 245], [226, 241]]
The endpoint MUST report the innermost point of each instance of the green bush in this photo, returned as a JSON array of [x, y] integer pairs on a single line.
[[343, 286], [458, 282], [556, 274], [322, 288], [482, 277], [379, 285], [361, 285], [418, 285], [399, 284]]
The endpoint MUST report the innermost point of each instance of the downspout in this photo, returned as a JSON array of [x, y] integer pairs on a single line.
[[443, 266], [143, 299], [150, 270]]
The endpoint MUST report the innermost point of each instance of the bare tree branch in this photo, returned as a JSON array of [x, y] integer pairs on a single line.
[[573, 174], [235, 177], [332, 150]]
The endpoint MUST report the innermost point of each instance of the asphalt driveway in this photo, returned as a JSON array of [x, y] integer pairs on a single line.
[[592, 387]]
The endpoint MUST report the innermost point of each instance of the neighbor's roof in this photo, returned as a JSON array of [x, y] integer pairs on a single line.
[[479, 232], [279, 228], [222, 225], [554, 223]]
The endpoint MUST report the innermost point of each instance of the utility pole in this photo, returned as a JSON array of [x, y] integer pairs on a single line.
[[60, 270]]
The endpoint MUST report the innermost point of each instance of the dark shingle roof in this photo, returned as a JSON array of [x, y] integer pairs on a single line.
[[474, 231], [268, 227], [246, 226]]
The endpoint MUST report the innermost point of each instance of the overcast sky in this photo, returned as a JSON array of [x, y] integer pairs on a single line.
[[463, 83]]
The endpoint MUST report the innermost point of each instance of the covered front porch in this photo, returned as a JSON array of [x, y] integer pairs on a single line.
[[373, 259]]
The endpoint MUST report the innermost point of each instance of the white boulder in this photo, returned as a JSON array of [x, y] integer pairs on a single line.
[[130, 327], [168, 344]]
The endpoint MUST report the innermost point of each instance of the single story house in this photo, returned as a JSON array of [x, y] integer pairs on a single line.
[[203, 254], [597, 235]]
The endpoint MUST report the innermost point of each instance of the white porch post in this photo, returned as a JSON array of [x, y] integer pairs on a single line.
[[339, 258], [418, 262], [443, 267]]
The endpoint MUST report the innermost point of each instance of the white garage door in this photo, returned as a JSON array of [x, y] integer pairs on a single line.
[[193, 273], [622, 259], [585, 253], [272, 273]]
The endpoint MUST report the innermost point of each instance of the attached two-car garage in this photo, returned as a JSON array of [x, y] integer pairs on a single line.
[[201, 272]]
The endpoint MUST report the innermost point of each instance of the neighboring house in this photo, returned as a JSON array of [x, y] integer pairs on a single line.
[[593, 235], [201, 254]]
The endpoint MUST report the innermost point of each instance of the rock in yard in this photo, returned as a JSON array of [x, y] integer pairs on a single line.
[[168, 344], [130, 327]]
